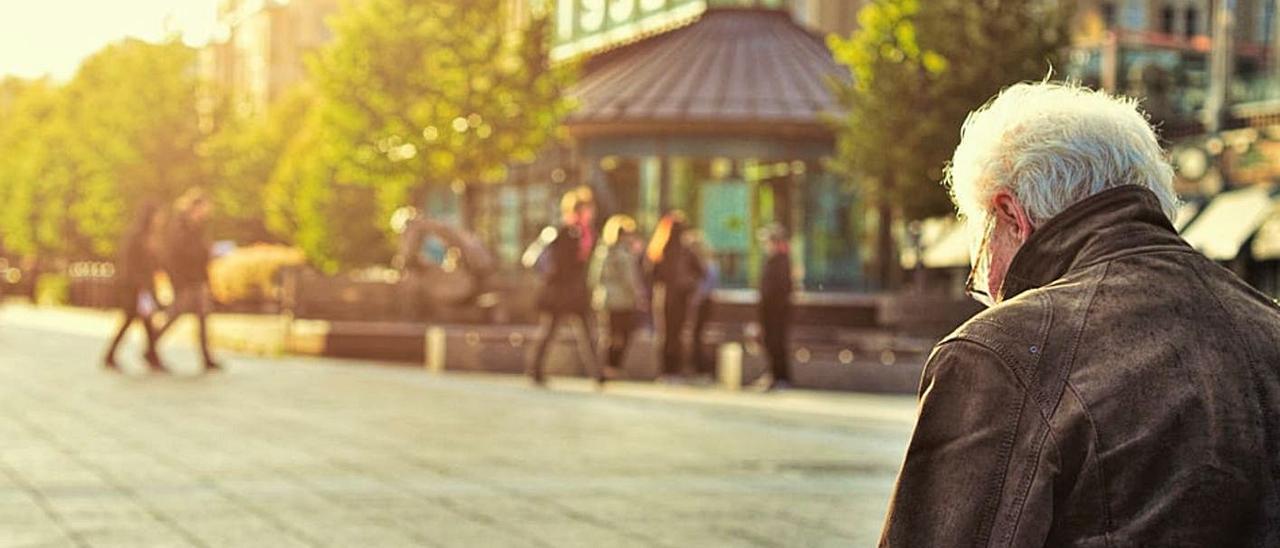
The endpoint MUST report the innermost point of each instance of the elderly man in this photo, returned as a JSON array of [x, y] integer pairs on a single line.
[[1121, 390]]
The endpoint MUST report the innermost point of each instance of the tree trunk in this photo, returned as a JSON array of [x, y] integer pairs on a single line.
[[886, 251], [886, 256]]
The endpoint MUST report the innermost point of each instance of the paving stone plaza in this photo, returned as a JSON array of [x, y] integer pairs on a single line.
[[313, 452]]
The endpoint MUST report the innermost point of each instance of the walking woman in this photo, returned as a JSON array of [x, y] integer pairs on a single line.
[[187, 254], [562, 255], [677, 273], [135, 288], [619, 286]]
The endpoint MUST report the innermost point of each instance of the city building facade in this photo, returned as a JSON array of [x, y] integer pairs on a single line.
[[261, 47], [1160, 49]]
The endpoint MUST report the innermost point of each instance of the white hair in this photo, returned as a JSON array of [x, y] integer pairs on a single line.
[[1052, 145]]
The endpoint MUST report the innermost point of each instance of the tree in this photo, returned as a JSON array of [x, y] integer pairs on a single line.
[[37, 172], [76, 160], [918, 69], [133, 109], [434, 92], [242, 156], [309, 203]]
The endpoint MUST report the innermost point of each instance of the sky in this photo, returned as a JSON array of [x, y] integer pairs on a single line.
[[51, 37]]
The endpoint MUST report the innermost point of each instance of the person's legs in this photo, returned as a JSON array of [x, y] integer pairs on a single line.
[[776, 346], [701, 361], [586, 344], [675, 310], [546, 334], [181, 304], [201, 309], [109, 361], [621, 325], [151, 355]]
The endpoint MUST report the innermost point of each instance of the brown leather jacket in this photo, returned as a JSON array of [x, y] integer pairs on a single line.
[[1125, 393]]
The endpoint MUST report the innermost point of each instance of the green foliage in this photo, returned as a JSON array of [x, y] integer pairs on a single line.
[[133, 106], [76, 160], [411, 93], [39, 175], [418, 93], [332, 220], [242, 155], [919, 67]]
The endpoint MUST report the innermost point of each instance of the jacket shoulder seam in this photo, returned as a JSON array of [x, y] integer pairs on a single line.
[[1096, 464], [1069, 387], [1084, 320], [991, 506], [1000, 355]]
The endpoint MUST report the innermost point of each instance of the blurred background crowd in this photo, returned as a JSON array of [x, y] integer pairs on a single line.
[[321, 130]]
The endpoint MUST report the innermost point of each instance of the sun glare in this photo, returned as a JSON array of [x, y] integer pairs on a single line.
[[52, 37]]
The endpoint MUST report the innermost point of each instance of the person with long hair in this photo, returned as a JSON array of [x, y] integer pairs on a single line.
[[677, 272], [187, 252], [562, 258], [135, 285], [619, 291]]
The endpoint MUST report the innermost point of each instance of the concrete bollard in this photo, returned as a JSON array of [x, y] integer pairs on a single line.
[[434, 349], [729, 365]]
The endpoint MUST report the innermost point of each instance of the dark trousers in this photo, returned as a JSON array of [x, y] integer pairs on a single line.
[[776, 327], [191, 299], [585, 341], [130, 315], [675, 309], [702, 360], [621, 325]]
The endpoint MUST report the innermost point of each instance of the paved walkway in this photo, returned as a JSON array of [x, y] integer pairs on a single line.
[[313, 452]]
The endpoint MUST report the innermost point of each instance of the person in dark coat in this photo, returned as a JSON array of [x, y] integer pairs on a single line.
[[1122, 389], [135, 287], [186, 257], [679, 273], [775, 305], [563, 255]]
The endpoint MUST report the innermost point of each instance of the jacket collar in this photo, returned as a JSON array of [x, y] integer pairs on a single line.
[[1110, 224]]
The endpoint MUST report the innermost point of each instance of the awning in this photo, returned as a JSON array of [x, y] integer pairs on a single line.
[[944, 241], [1228, 221], [731, 72]]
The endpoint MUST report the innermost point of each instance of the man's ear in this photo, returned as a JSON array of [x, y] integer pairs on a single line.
[[1010, 211]]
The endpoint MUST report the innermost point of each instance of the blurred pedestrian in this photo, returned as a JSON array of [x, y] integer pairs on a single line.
[[677, 273], [619, 291], [1122, 389], [186, 255], [136, 265], [563, 259], [703, 362], [775, 305]]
